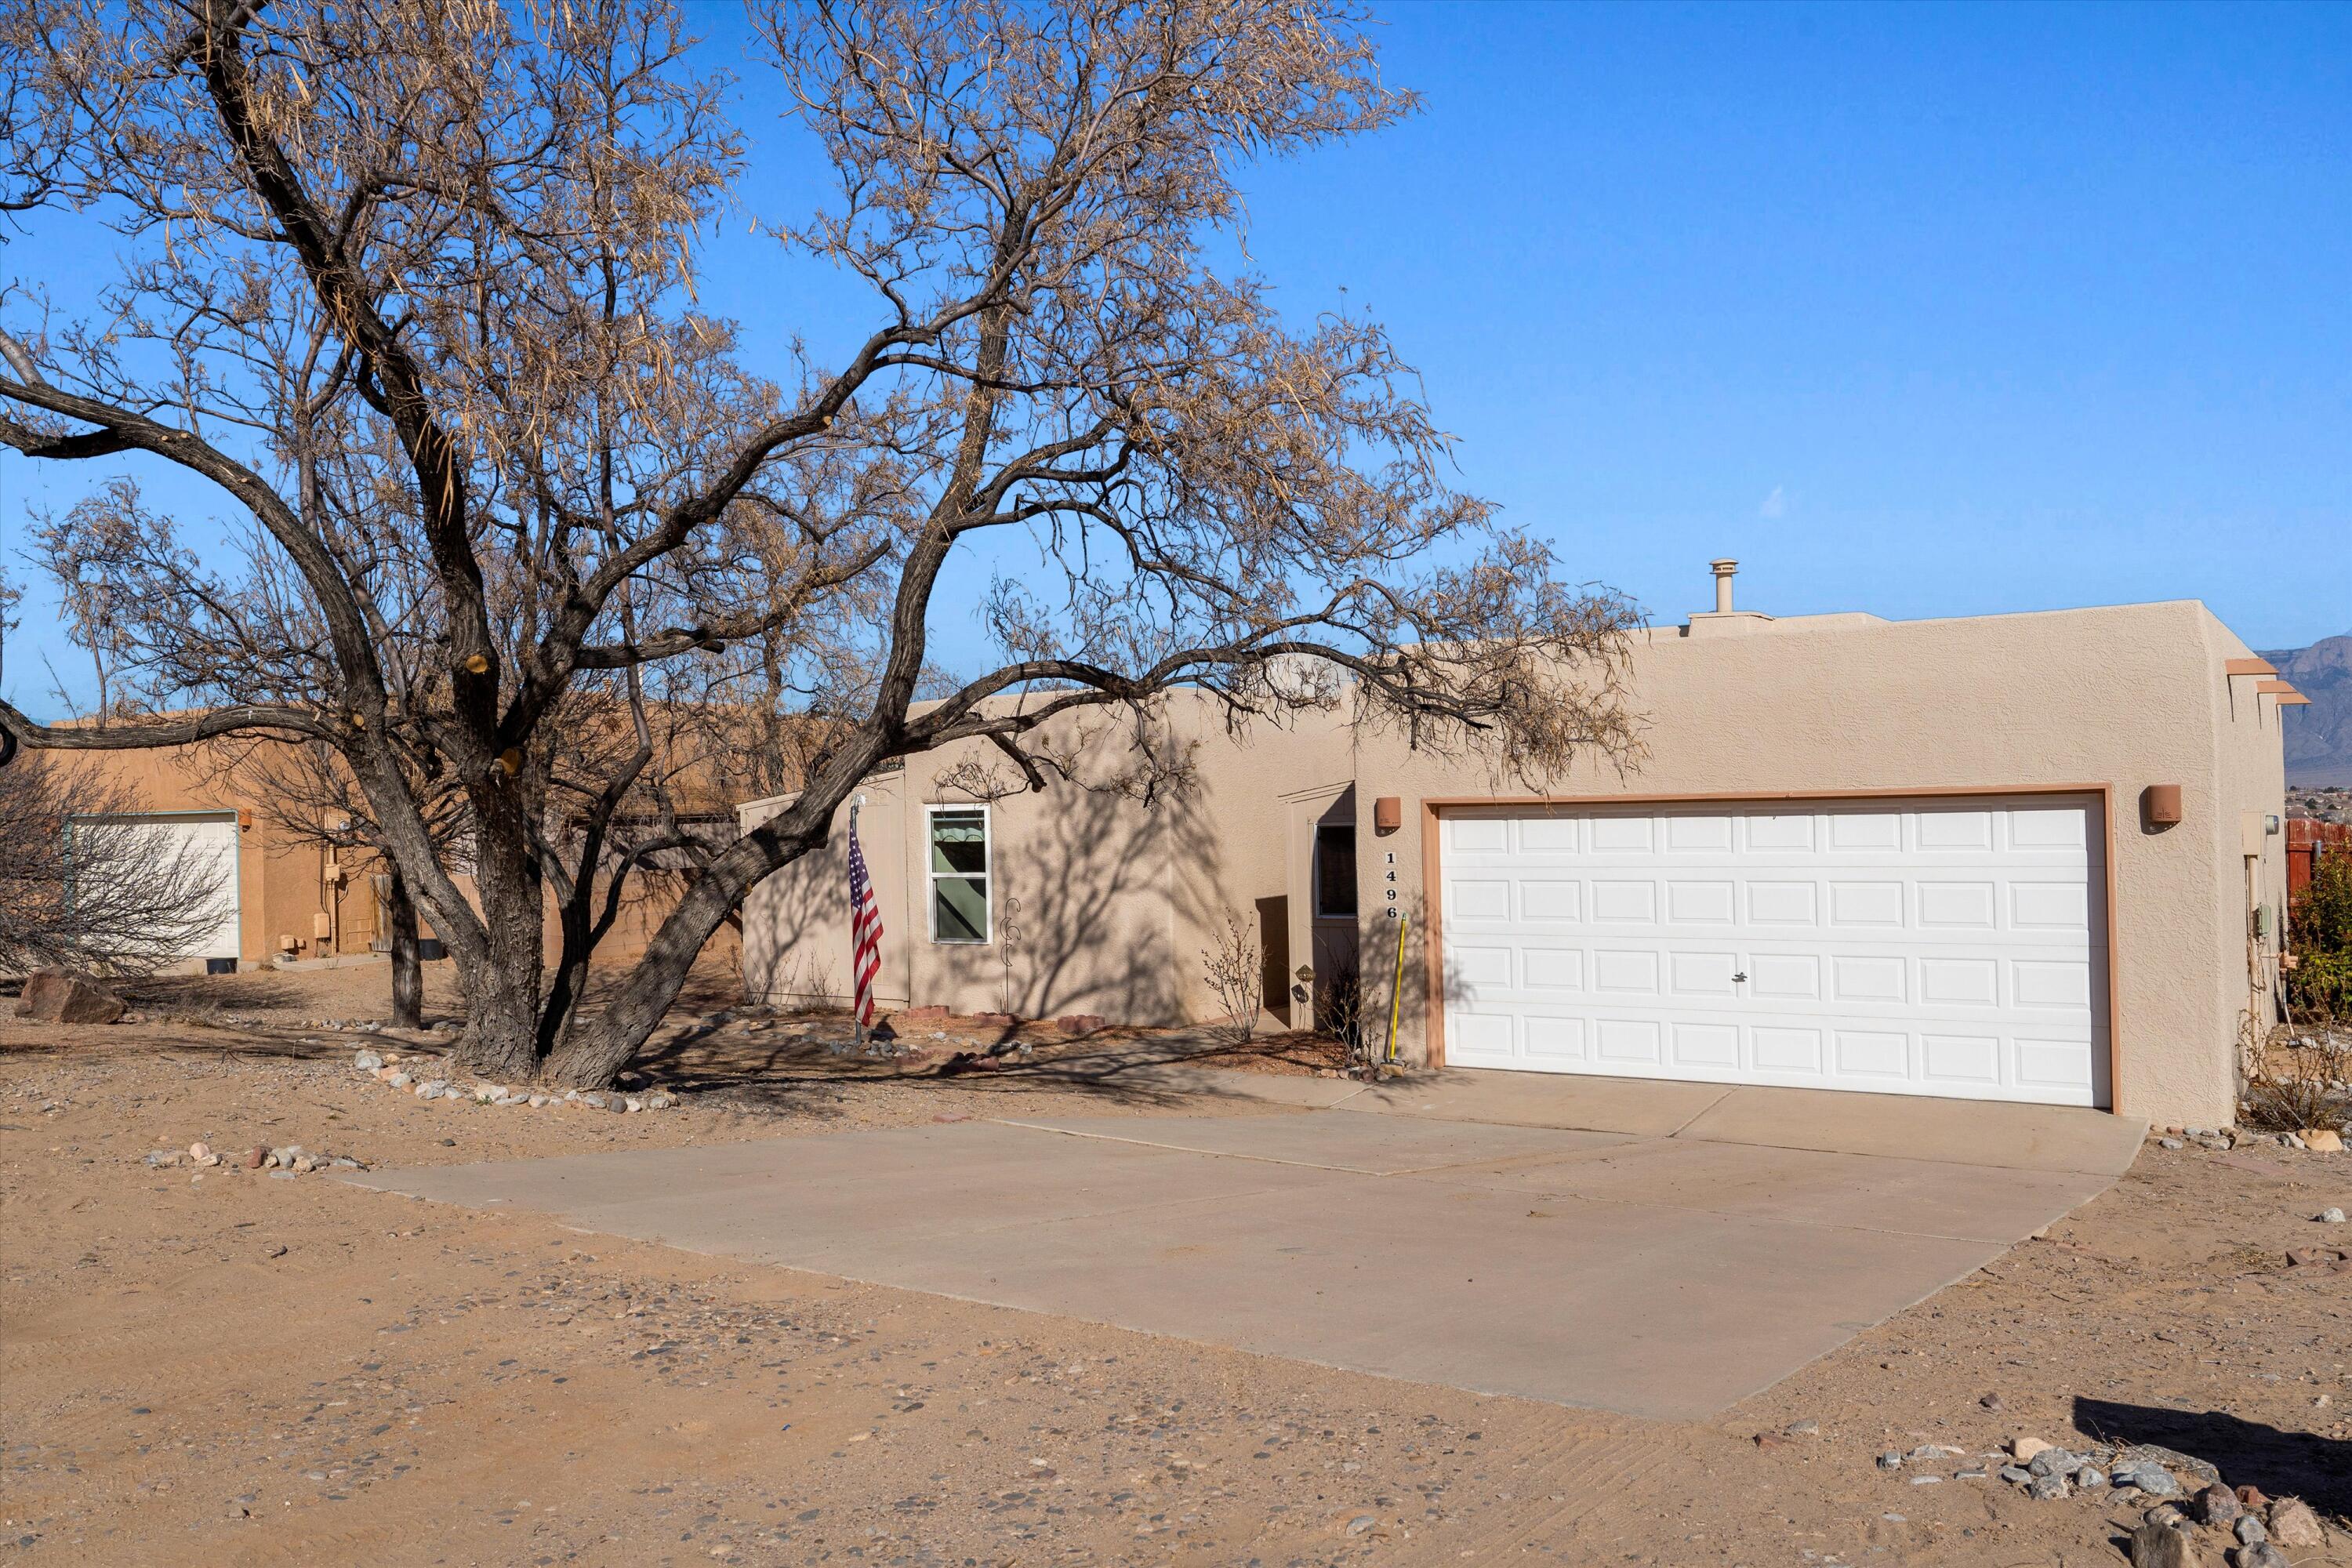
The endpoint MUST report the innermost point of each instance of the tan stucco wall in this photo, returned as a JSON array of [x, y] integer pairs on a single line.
[[1118, 899], [281, 883]]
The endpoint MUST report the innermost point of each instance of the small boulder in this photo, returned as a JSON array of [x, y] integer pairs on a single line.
[[2331, 1217], [2215, 1505], [58, 996], [2318, 1139], [2252, 1497], [2248, 1531], [2160, 1545], [2259, 1554], [2025, 1448], [2046, 1488], [1890, 1460], [2292, 1523], [367, 1061]]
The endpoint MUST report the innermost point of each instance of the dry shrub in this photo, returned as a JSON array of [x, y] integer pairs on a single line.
[[1232, 964], [2300, 1085]]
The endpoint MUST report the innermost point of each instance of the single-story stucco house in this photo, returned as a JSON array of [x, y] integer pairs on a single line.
[[2030, 857]]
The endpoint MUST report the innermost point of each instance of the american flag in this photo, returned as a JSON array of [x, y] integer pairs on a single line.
[[864, 928]]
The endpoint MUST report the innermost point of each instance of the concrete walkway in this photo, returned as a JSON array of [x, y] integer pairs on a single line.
[[1660, 1250]]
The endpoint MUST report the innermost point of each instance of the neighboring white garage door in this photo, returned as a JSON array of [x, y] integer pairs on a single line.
[[210, 841], [1950, 947]]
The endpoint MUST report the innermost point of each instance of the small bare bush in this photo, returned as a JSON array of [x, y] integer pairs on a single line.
[[2304, 1084], [1341, 1006], [87, 884], [1232, 965]]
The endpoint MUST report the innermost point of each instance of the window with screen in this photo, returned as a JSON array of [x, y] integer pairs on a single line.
[[959, 861]]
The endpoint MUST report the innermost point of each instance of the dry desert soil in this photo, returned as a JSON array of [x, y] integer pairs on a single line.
[[218, 1366]]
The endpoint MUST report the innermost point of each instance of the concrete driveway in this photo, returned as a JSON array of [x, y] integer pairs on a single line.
[[1655, 1249]]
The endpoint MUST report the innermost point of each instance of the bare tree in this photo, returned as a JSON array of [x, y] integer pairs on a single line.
[[86, 884], [411, 284], [1235, 971]]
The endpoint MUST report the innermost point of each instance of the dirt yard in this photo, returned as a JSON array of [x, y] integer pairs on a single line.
[[220, 1366]]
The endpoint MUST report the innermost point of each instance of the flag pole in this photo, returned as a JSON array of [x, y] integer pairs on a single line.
[[856, 1013]]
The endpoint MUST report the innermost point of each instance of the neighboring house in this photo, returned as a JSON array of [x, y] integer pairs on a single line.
[[287, 897], [280, 896], [2026, 857]]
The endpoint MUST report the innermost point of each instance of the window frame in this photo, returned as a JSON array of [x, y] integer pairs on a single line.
[[932, 876], [1355, 891]]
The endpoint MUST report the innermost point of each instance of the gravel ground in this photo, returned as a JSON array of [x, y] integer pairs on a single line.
[[205, 1363]]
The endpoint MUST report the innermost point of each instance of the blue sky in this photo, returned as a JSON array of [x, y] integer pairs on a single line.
[[1916, 310]]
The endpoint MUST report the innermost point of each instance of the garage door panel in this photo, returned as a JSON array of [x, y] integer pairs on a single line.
[[2049, 906], [1542, 835], [1937, 949], [1960, 1059], [1958, 906], [1701, 903], [1553, 968], [1468, 901], [1783, 904], [1878, 904], [1552, 899], [1622, 972], [1699, 836], [1624, 1040], [1618, 903], [1554, 1039]]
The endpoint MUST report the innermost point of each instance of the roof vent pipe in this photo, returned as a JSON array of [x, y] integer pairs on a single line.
[[1723, 571]]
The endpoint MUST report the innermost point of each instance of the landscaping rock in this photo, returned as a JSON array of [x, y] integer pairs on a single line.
[[2016, 1474], [2025, 1448], [398, 1079], [2055, 1462], [2292, 1523], [367, 1061], [2161, 1546], [2318, 1139], [1890, 1460], [2331, 1217], [2248, 1531], [56, 997], [2090, 1477], [2046, 1488], [2261, 1554], [2215, 1505]]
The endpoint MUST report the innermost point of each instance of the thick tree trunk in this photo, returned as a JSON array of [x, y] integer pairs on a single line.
[[598, 1046], [407, 968], [502, 1001]]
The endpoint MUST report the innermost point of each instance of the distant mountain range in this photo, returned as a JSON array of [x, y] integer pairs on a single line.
[[2318, 738]]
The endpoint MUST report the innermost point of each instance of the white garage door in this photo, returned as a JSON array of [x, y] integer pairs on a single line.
[[1950, 947], [209, 840]]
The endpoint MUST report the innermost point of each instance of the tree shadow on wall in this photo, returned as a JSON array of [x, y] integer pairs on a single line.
[[1092, 876]]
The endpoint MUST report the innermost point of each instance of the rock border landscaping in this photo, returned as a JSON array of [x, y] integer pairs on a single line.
[[391, 1070]]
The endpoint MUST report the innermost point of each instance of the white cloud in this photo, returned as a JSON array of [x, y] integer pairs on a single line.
[[1776, 504]]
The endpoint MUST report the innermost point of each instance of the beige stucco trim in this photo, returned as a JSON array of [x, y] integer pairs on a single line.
[[1433, 886]]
